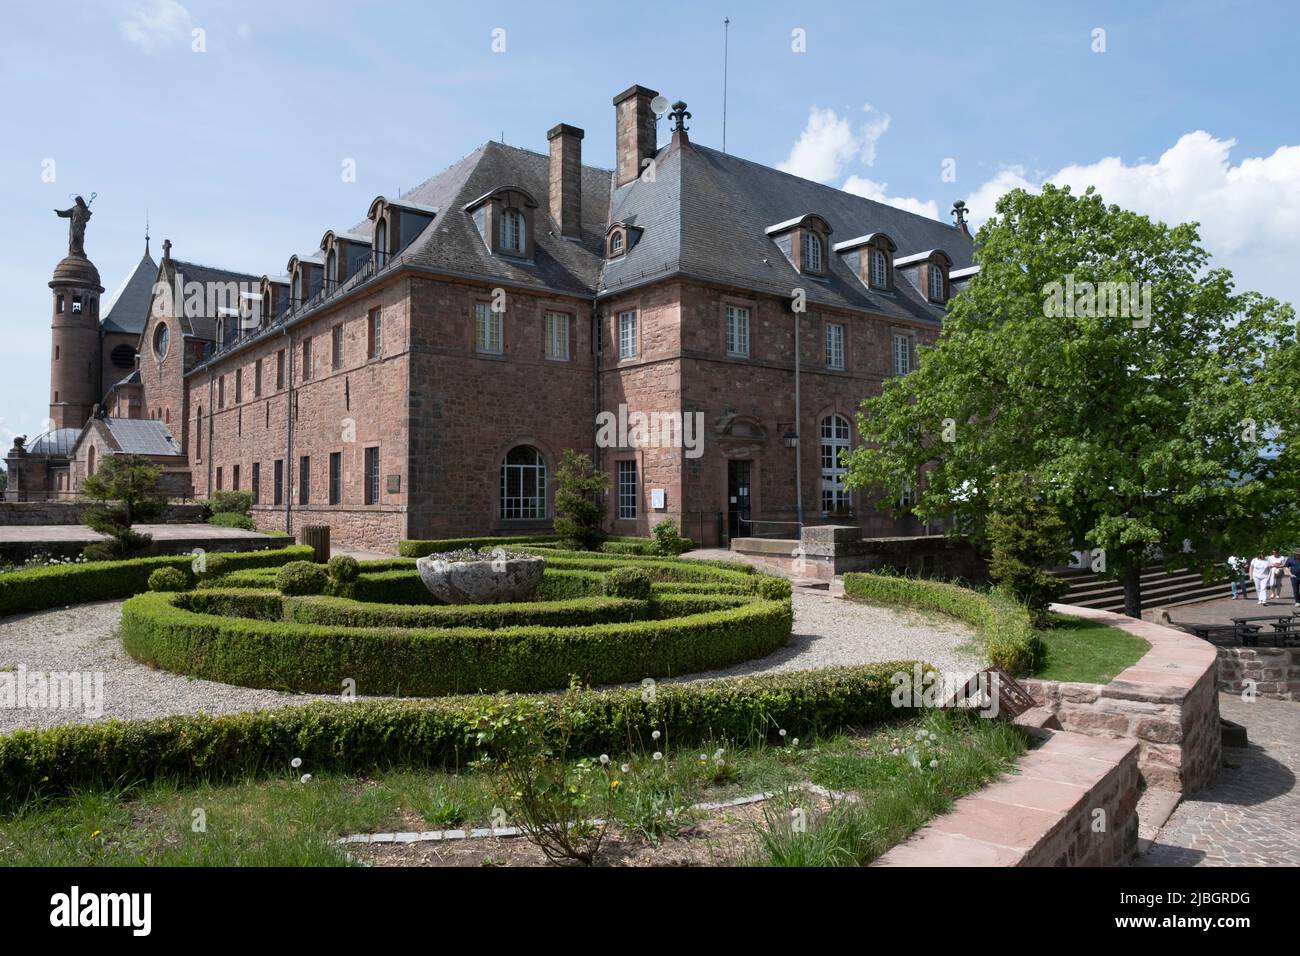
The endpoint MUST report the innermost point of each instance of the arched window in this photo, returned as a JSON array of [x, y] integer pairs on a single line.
[[523, 484], [90, 461], [296, 293], [332, 269], [879, 269], [936, 282], [836, 435], [812, 259], [381, 242], [512, 231], [161, 339], [616, 243]]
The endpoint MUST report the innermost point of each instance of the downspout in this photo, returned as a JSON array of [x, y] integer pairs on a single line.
[[286, 483], [208, 486], [798, 428], [595, 383]]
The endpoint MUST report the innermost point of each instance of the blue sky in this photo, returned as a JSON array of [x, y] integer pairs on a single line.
[[235, 153]]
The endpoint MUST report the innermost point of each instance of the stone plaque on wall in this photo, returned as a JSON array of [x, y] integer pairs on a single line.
[[394, 484]]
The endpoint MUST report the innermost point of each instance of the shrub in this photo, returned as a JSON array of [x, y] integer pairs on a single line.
[[363, 736], [102, 551], [1026, 536], [130, 483], [424, 548], [628, 583], [579, 513], [168, 579], [38, 588], [230, 502], [1005, 626], [228, 519], [159, 631], [301, 577], [667, 540], [771, 588], [343, 568]]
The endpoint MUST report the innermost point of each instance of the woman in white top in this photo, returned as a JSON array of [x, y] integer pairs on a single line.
[[1261, 572], [1277, 567]]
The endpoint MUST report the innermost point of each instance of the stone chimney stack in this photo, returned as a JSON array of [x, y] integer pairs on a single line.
[[566, 178], [635, 132]]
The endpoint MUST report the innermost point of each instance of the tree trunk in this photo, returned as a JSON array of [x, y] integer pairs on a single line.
[[1133, 590]]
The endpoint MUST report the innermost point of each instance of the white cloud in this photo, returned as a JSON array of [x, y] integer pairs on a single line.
[[156, 24], [1249, 212], [861, 186]]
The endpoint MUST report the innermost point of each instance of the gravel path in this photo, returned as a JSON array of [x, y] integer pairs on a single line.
[[827, 632]]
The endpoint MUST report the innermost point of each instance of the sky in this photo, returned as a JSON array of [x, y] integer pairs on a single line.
[[233, 127]]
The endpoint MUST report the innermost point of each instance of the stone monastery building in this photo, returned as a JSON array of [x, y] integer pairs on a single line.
[[420, 373]]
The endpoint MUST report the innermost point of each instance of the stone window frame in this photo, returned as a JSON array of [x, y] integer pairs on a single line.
[[726, 303], [334, 480], [487, 300], [936, 267], [161, 331], [306, 359], [569, 321], [337, 339], [827, 322], [371, 492], [897, 332], [635, 312], [844, 495], [637, 480], [882, 244], [546, 476], [257, 377], [374, 333]]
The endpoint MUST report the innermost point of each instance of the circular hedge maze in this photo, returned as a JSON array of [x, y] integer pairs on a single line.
[[379, 628]]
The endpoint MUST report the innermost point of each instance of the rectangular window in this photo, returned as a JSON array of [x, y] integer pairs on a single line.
[[908, 498], [374, 334], [234, 478], [336, 347], [902, 354], [488, 327], [737, 330], [198, 435], [557, 336], [257, 483], [306, 360], [239, 385], [221, 391], [277, 488], [336, 477], [372, 476], [279, 370], [627, 489], [879, 270], [218, 477], [304, 480], [834, 345], [76, 304], [627, 334], [257, 379]]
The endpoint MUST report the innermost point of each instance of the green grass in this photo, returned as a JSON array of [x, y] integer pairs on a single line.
[[1087, 652], [285, 822]]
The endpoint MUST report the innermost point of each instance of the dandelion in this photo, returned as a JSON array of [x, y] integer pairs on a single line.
[[658, 755], [703, 758], [933, 764], [615, 784], [295, 763], [655, 735], [795, 742], [782, 732], [604, 759], [96, 833], [625, 768], [717, 754], [304, 778]]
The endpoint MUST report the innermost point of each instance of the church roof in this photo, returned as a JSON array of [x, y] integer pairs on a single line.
[[137, 436], [129, 305], [57, 443]]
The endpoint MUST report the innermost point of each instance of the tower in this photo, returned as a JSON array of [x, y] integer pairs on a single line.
[[74, 346]]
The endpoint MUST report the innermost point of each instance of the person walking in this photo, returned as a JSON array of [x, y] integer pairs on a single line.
[[1293, 568], [1276, 564], [1239, 577], [1261, 571]]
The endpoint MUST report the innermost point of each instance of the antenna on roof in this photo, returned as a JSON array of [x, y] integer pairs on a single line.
[[726, 44], [146, 230]]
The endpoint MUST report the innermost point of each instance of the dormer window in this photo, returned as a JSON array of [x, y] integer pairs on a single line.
[[616, 244], [879, 269], [812, 259], [381, 242], [620, 239], [512, 232], [937, 283]]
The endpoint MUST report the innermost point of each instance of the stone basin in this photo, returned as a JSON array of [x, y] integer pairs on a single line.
[[489, 581]]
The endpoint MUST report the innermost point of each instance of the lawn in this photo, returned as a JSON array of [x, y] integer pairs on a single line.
[[1087, 652], [290, 822]]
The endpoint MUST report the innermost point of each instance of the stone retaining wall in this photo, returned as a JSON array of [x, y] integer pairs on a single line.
[[824, 551], [71, 512], [1272, 672], [1073, 803], [1167, 702]]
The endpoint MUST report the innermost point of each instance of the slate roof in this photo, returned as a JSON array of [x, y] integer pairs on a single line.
[[141, 436], [57, 443], [205, 326], [129, 305]]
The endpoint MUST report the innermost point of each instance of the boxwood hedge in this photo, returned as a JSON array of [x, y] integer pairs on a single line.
[[158, 630], [39, 588], [366, 736], [1003, 625], [422, 548]]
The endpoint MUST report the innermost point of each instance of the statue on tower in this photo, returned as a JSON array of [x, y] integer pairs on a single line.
[[79, 213]]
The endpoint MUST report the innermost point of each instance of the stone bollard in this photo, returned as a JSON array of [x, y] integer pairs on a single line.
[[317, 536]]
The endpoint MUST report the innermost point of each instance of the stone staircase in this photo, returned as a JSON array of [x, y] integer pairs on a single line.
[[1159, 589]]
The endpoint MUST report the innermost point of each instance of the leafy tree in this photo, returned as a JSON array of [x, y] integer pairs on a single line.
[[127, 487], [1170, 432], [1026, 536], [579, 513]]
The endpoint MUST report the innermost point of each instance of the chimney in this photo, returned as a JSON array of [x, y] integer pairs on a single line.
[[635, 132], [566, 178]]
